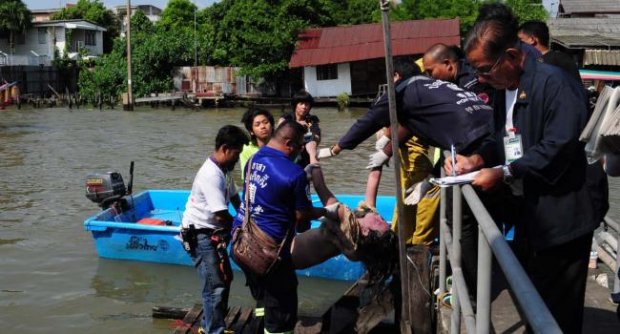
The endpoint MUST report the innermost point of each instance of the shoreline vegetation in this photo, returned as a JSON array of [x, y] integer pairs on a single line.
[[257, 36], [183, 100]]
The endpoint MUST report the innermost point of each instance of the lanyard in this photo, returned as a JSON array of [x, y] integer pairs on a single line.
[[511, 99]]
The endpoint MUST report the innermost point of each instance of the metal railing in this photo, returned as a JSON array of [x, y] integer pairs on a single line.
[[490, 242], [607, 247]]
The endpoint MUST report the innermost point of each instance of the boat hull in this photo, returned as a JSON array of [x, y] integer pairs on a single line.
[[121, 237]]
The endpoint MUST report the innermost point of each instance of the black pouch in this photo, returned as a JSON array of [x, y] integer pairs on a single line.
[[190, 241]]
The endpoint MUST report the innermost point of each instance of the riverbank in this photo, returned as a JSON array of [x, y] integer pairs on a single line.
[[181, 100]]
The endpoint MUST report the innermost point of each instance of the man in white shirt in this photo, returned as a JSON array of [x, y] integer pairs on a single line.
[[206, 224]]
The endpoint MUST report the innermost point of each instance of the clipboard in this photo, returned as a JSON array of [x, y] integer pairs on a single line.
[[448, 181]]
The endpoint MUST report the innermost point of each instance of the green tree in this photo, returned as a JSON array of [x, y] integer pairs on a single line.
[[465, 10], [156, 50], [527, 10], [94, 11], [178, 14], [141, 24], [106, 78], [260, 35], [354, 11], [15, 18], [209, 49], [155, 56]]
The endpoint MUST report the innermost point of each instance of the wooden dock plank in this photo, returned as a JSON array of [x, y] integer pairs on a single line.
[[344, 316], [245, 316], [308, 325], [231, 316], [191, 319], [351, 314], [421, 311], [370, 315]]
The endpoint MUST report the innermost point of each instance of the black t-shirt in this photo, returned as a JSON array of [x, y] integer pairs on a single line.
[[304, 159]]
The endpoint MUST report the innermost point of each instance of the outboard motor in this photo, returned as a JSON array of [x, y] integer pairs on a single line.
[[108, 189]]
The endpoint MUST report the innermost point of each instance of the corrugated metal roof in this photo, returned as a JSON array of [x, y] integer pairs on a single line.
[[583, 26], [594, 41], [600, 37], [589, 6], [333, 45], [597, 33]]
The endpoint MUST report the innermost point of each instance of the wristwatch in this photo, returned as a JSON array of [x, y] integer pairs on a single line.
[[508, 177]]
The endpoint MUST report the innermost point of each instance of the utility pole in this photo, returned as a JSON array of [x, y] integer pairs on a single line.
[[405, 321], [195, 68], [195, 45], [129, 105]]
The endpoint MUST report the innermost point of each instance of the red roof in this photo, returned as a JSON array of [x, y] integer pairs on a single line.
[[320, 46]]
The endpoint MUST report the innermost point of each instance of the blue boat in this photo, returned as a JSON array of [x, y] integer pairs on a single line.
[[122, 236]]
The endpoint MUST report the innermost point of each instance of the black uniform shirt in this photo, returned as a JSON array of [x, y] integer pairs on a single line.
[[438, 112]]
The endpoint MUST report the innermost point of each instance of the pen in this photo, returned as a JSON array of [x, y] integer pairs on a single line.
[[453, 155]]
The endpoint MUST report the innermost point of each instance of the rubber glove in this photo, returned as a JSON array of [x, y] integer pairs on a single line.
[[417, 191], [325, 152], [381, 142], [377, 159]]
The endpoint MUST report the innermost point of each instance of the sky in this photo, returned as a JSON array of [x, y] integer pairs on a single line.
[[47, 4]]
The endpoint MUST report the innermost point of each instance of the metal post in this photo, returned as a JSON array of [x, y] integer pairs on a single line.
[[442, 239], [455, 255], [536, 312], [483, 311], [129, 106], [616, 287], [389, 71], [195, 46]]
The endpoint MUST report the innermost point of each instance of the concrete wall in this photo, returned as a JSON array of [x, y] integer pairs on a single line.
[[326, 88]]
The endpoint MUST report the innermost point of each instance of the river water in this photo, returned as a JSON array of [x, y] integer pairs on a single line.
[[51, 279], [50, 276]]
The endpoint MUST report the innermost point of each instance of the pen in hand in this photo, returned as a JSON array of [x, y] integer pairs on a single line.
[[453, 156]]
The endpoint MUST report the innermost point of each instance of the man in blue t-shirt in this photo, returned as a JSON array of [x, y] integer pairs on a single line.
[[279, 203]]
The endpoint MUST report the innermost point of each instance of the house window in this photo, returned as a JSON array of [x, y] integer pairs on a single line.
[[42, 35], [327, 72], [89, 37]]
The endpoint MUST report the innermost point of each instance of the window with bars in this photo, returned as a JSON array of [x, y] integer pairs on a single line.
[[327, 72]]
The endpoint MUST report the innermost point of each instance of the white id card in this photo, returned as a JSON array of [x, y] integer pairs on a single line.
[[513, 148]]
